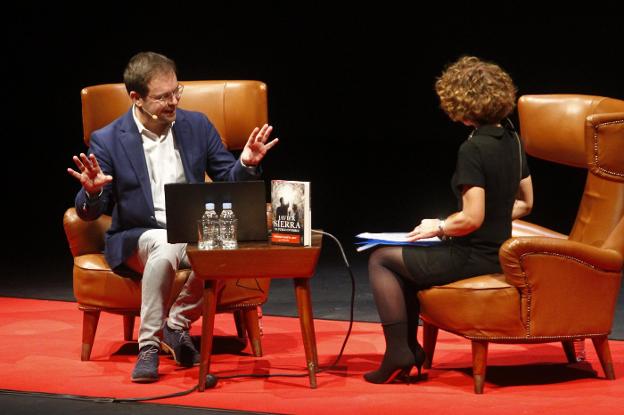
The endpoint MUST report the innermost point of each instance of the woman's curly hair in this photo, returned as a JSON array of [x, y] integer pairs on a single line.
[[474, 90]]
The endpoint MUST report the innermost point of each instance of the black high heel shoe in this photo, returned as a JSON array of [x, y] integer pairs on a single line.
[[388, 375], [419, 357], [399, 358], [390, 371]]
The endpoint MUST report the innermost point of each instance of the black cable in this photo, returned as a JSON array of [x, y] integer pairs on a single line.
[[352, 300], [98, 399], [213, 378], [153, 398]]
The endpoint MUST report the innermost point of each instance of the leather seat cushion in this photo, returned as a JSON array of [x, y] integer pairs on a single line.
[[95, 284], [479, 307], [242, 292]]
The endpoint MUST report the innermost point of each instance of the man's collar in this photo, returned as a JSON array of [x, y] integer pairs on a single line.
[[142, 129]]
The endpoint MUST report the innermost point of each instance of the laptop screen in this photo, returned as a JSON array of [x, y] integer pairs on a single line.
[[184, 204]]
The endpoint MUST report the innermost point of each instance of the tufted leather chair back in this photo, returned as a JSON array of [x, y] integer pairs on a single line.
[[234, 107], [574, 130]]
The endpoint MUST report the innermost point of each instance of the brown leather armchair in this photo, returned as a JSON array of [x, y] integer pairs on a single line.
[[235, 108], [553, 289]]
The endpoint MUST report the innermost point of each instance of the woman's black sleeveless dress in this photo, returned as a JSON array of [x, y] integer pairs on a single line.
[[490, 158]]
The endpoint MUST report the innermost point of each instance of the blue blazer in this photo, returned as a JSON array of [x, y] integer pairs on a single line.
[[118, 148]]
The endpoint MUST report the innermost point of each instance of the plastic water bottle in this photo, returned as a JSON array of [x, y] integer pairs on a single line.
[[228, 227], [210, 228]]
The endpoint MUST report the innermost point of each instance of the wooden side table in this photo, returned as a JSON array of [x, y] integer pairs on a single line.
[[254, 260]]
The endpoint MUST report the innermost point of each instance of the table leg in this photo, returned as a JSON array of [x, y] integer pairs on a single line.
[[306, 319], [208, 318]]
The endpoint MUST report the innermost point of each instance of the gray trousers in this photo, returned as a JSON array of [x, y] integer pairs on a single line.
[[158, 261]]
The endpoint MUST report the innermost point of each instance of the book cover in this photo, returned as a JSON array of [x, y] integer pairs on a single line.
[[291, 214]]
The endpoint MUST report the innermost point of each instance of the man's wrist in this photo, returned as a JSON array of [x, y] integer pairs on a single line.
[[94, 197], [251, 169], [247, 166]]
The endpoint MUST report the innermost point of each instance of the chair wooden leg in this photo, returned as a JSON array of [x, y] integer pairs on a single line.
[[239, 322], [601, 344], [90, 319], [479, 364], [568, 348], [250, 316], [430, 337], [128, 323]]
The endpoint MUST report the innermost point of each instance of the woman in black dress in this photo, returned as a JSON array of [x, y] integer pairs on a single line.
[[492, 185]]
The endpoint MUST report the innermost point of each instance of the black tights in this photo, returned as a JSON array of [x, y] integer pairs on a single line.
[[394, 290]]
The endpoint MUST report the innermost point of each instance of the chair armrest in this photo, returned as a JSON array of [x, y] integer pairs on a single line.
[[85, 237], [523, 228], [523, 257], [566, 288]]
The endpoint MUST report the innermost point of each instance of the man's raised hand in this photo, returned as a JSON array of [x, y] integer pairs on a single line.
[[90, 175]]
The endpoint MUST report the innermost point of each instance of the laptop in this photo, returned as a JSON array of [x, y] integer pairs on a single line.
[[184, 204]]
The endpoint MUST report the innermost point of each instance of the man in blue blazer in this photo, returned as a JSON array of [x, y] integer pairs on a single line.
[[129, 162]]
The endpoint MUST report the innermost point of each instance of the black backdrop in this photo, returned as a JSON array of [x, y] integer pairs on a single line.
[[350, 96]]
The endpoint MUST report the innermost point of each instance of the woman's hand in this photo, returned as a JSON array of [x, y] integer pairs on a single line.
[[428, 228]]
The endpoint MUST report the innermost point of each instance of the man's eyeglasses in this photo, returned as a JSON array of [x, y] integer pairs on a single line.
[[166, 98]]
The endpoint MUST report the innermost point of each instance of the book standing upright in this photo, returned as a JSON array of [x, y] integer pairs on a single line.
[[291, 214]]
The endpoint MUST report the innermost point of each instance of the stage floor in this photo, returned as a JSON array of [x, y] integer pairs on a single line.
[[50, 278], [41, 348]]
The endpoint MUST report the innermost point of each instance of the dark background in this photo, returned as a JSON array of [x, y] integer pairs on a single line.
[[350, 96]]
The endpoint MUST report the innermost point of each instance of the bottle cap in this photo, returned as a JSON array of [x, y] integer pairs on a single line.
[[227, 205], [209, 206]]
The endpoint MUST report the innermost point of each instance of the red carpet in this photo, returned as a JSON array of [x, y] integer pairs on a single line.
[[40, 352]]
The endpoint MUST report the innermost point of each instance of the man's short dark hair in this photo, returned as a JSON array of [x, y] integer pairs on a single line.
[[142, 67]]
